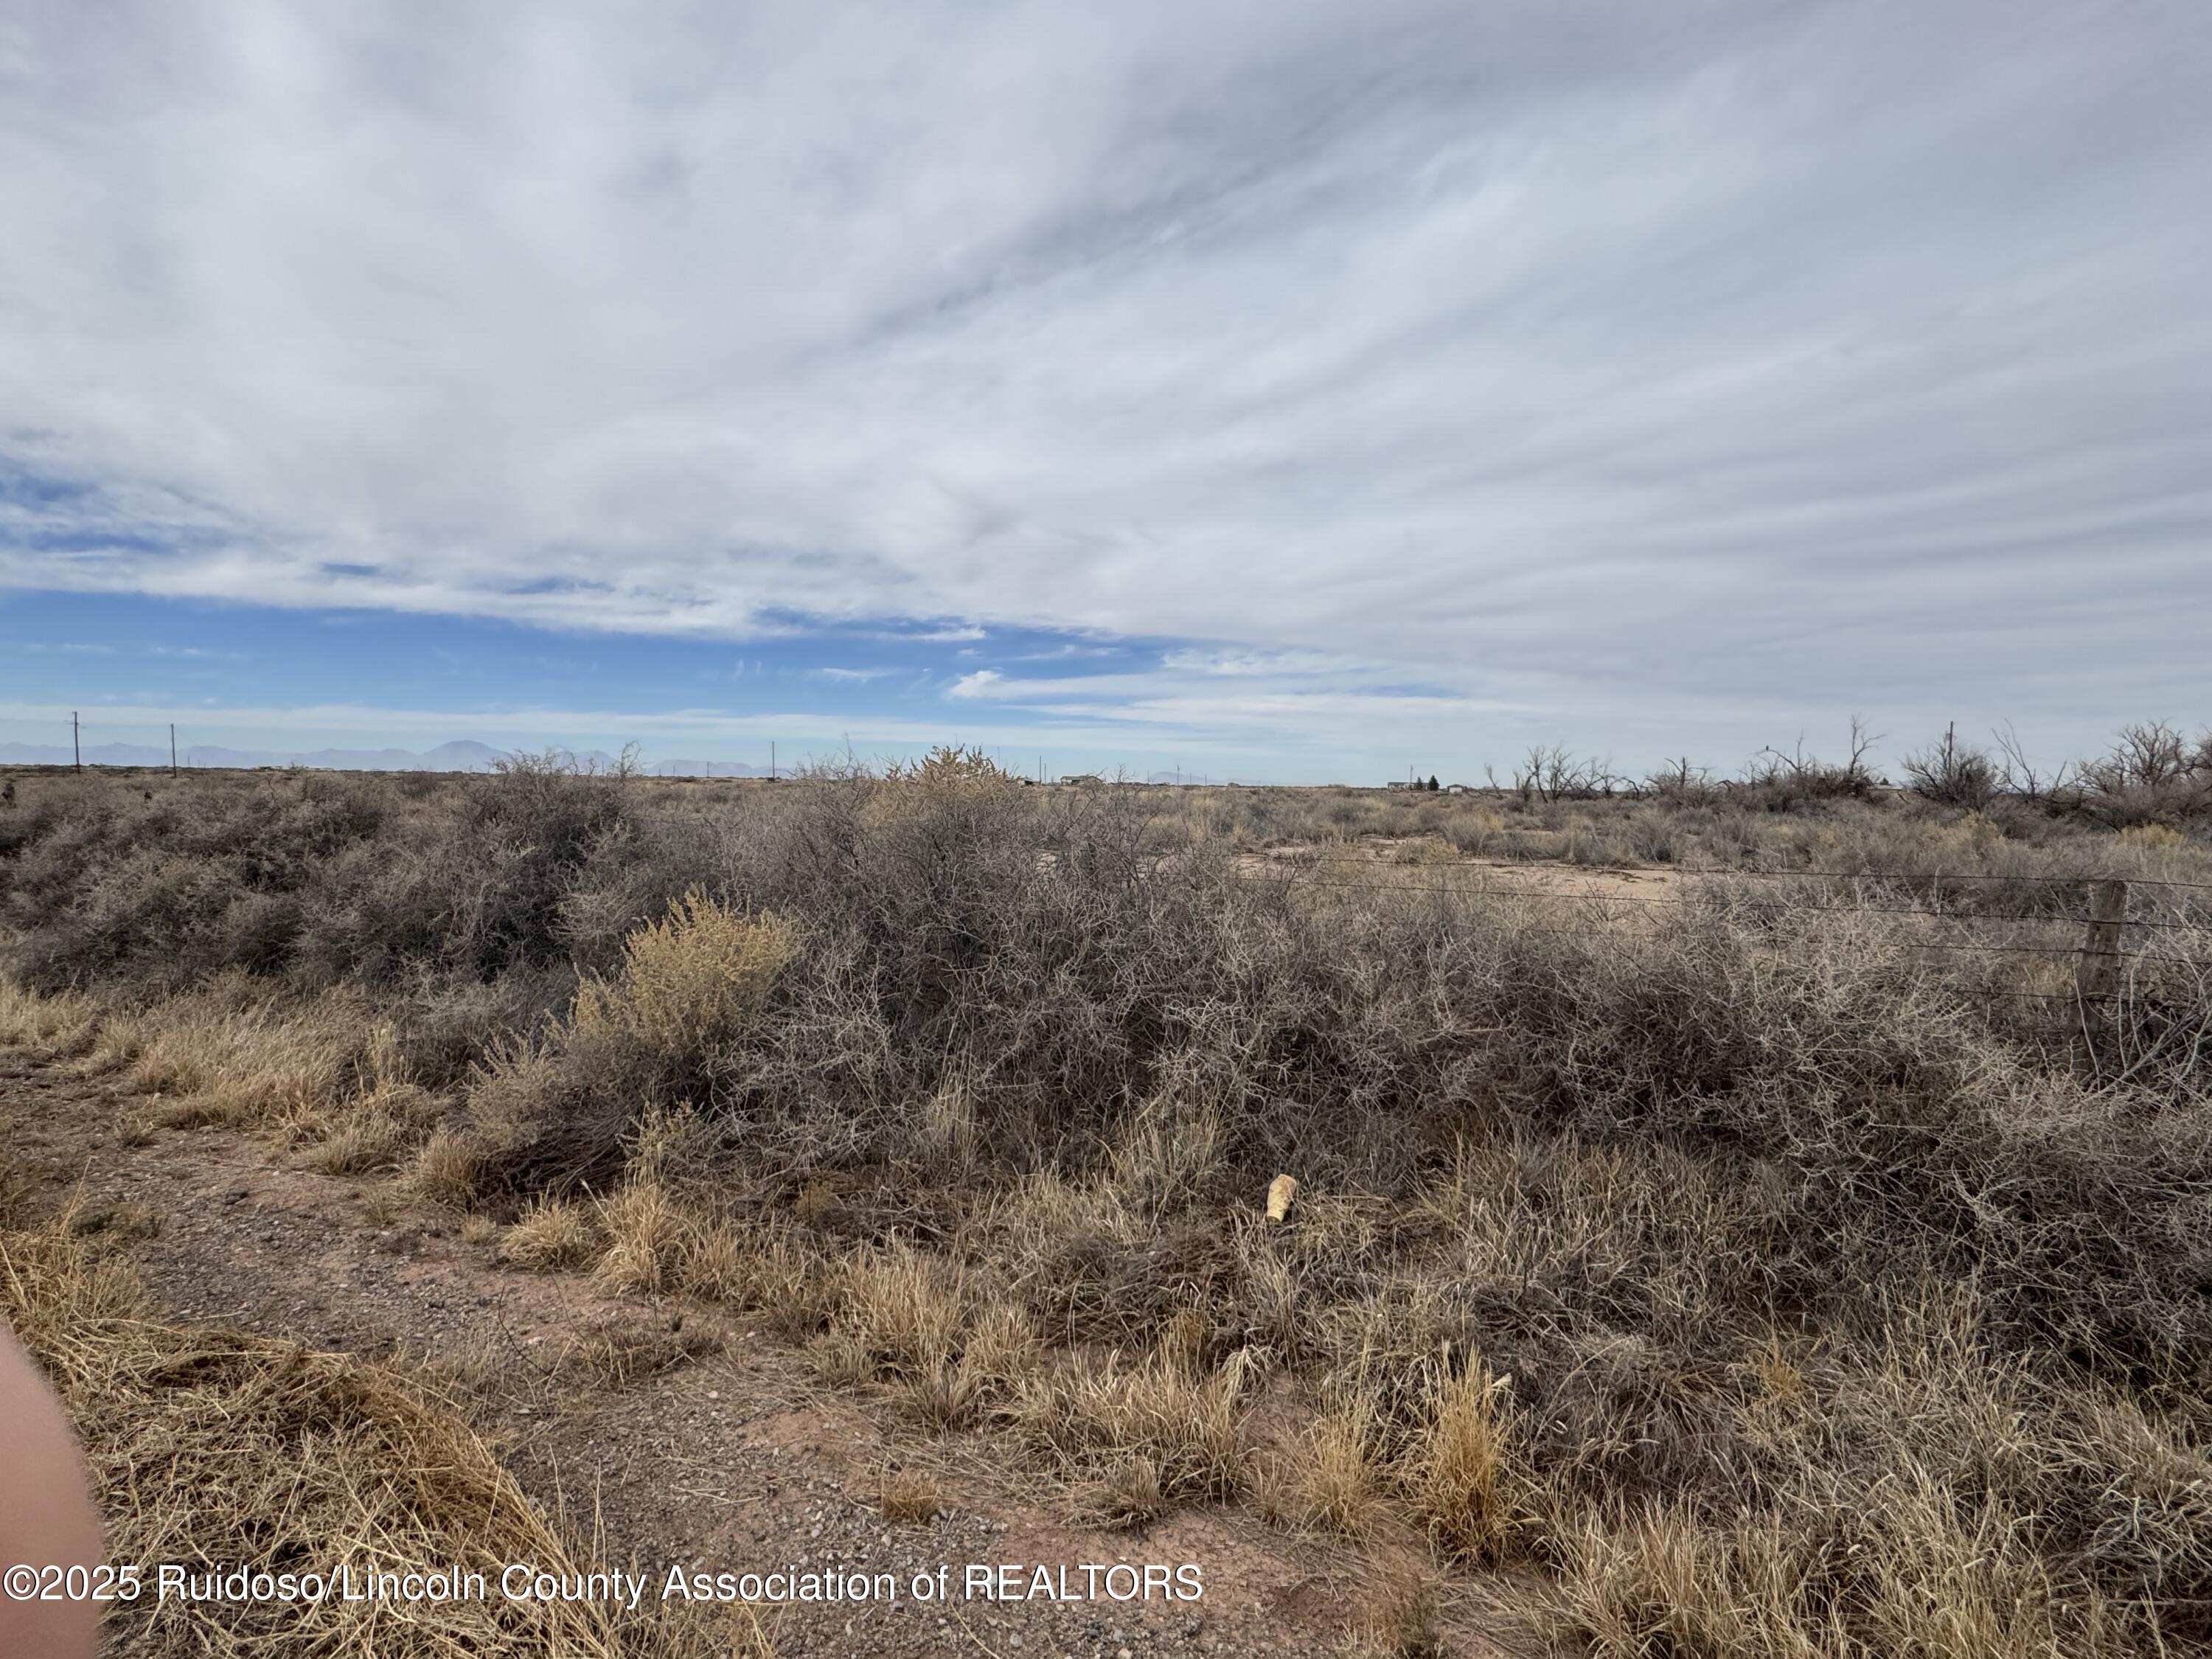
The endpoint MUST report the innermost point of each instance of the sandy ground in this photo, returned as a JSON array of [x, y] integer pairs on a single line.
[[735, 1459]]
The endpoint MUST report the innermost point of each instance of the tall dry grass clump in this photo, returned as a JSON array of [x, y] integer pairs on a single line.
[[1163, 1426], [1466, 1482]]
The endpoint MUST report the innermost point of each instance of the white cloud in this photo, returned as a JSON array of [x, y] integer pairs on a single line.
[[983, 683], [1669, 359]]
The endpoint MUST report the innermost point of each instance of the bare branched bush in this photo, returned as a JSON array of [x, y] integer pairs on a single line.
[[2152, 776], [1954, 774]]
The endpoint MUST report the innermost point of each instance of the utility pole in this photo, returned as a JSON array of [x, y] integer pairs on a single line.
[[172, 749], [76, 743], [771, 760]]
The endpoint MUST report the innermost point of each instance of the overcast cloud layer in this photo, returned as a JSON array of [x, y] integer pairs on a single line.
[[1724, 365]]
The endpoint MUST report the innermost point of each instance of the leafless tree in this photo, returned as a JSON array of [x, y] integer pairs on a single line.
[[2017, 772], [1951, 773]]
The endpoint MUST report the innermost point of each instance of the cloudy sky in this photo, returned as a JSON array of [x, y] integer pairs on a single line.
[[1291, 390]]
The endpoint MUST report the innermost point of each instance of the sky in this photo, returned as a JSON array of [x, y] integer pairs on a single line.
[[1295, 391]]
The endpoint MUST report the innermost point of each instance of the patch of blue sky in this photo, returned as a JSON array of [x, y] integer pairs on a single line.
[[413, 680], [22, 488]]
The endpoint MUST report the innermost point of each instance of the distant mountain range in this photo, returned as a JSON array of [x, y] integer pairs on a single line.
[[464, 755]]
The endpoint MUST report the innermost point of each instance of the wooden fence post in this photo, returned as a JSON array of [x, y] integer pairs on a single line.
[[2099, 967]]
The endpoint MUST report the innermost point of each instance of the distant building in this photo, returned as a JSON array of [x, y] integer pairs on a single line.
[[1083, 777], [1402, 784]]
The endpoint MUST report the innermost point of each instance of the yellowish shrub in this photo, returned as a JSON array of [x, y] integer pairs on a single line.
[[690, 980]]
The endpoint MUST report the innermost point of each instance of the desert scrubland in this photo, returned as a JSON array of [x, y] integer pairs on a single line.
[[1728, 1220]]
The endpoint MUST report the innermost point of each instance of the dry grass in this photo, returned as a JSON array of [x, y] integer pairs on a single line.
[[618, 1349], [446, 1168], [1180, 1428], [911, 1496], [211, 1446], [1396, 1619], [231, 1054], [904, 1306], [1852, 1301], [1343, 1479], [59, 1025], [552, 1235], [646, 1231], [1466, 1482]]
